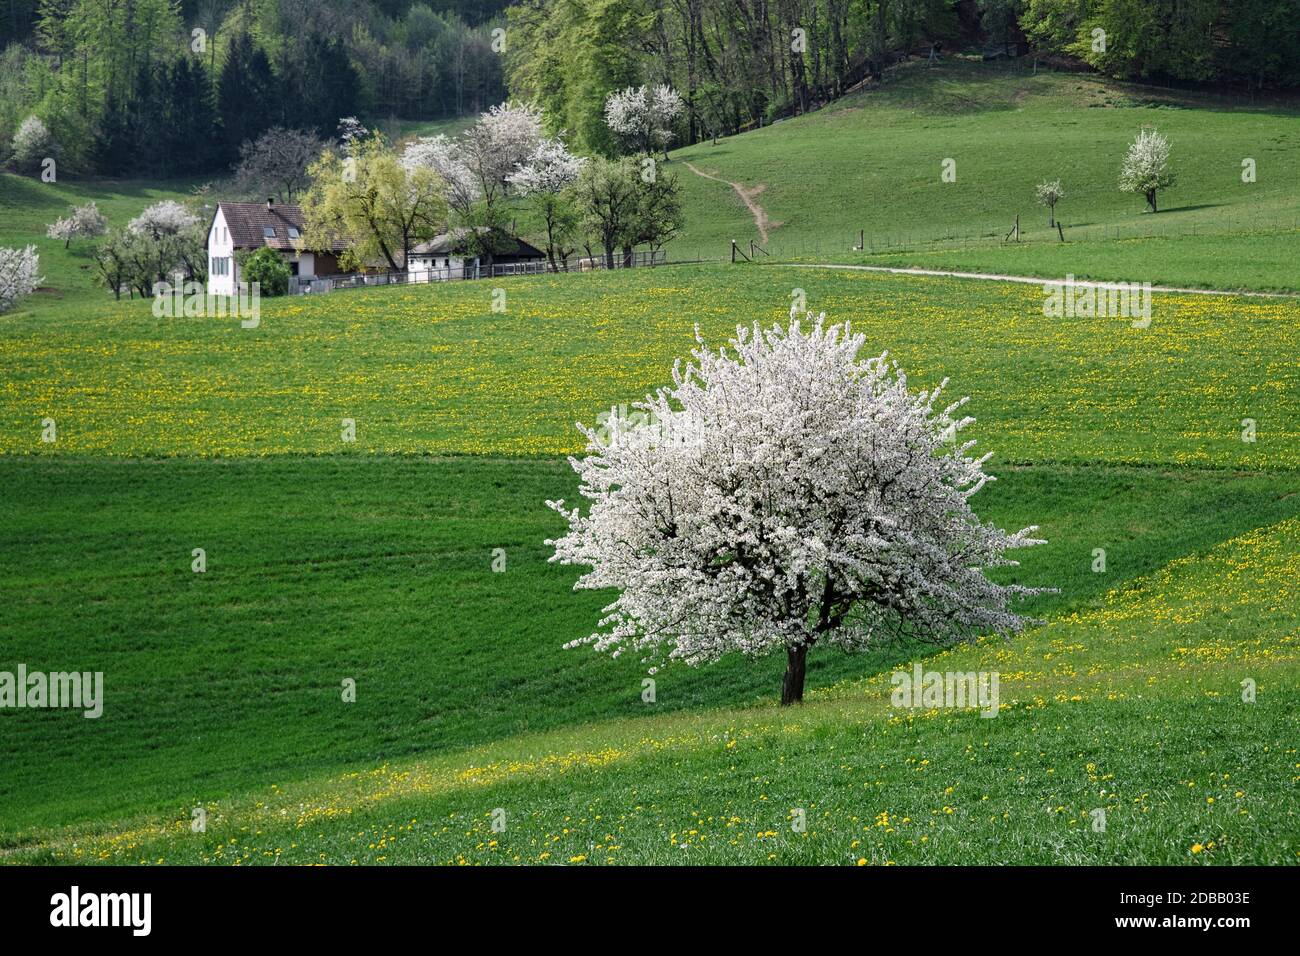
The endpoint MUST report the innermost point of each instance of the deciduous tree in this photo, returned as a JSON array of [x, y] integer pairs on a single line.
[[276, 163], [19, 275], [370, 199], [1049, 193], [644, 116], [1146, 167], [547, 178], [80, 222], [781, 494]]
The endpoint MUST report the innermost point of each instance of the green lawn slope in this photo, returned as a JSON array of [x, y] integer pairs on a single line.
[[872, 161]]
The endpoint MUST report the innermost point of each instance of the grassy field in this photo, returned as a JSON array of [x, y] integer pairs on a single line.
[[372, 561], [436, 370], [1130, 705], [872, 162], [28, 206], [1251, 261]]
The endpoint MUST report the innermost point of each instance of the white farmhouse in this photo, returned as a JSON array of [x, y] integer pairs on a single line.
[[240, 226]]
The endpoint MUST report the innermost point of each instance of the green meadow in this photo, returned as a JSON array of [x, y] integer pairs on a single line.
[[373, 561], [872, 161], [366, 475]]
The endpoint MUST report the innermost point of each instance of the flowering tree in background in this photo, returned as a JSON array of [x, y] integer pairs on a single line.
[[644, 116], [81, 222], [442, 155], [19, 275], [1049, 194], [1146, 167], [352, 133], [476, 167], [784, 493], [503, 138], [31, 144], [165, 241], [166, 218], [547, 177]]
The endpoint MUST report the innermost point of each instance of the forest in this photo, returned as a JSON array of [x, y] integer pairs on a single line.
[[168, 88]]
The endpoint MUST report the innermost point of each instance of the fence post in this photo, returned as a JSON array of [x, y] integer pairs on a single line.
[[733, 252]]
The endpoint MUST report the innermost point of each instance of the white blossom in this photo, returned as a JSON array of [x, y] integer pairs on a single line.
[[32, 143], [644, 115], [19, 275], [166, 218], [479, 162], [82, 221], [550, 169], [444, 156], [784, 493], [1146, 166], [1049, 193], [511, 131], [351, 131], [503, 138]]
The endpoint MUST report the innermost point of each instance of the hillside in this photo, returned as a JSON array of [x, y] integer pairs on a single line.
[[872, 162], [28, 206], [409, 558], [1088, 703], [373, 562]]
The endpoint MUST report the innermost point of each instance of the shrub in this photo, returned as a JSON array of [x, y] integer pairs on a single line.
[[32, 143], [268, 269]]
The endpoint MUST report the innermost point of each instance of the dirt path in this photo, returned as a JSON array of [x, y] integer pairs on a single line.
[[1028, 280], [747, 197]]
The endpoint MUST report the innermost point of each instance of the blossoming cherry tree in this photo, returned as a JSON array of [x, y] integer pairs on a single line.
[[784, 493]]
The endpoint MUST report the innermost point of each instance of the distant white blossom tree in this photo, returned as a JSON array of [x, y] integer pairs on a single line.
[[351, 133], [644, 116], [166, 240], [1146, 167], [32, 143], [166, 218], [503, 138], [19, 275], [476, 167], [547, 177], [551, 168], [443, 155], [781, 494], [1049, 193], [80, 222]]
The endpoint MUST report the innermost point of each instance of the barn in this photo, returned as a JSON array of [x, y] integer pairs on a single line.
[[449, 256], [240, 226]]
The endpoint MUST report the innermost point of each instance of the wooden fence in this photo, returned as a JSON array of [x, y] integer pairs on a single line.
[[364, 280]]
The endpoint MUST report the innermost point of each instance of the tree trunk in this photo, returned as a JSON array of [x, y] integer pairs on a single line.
[[792, 683], [1051, 218], [1151, 199]]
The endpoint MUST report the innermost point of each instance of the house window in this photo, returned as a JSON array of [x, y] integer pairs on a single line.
[[268, 232], [293, 232]]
